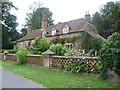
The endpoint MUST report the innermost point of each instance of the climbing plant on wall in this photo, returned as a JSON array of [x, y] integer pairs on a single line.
[[84, 41]]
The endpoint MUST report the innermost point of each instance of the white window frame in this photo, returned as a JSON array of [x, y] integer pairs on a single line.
[[65, 29], [43, 34], [53, 32]]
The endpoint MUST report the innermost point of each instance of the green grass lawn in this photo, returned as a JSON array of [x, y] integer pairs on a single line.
[[56, 79]]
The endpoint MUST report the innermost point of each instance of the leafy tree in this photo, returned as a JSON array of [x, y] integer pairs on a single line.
[[35, 16], [108, 19], [24, 31], [5, 41], [9, 32]]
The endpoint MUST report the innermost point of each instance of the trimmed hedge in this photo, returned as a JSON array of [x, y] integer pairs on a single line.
[[11, 51]]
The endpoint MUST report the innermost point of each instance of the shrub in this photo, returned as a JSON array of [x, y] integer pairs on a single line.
[[40, 45], [12, 51], [80, 66], [110, 55], [58, 49], [36, 44], [21, 55]]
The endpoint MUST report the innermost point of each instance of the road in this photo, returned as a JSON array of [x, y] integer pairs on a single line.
[[11, 80]]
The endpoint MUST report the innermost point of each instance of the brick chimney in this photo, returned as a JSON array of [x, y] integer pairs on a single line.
[[44, 22], [87, 17], [29, 29]]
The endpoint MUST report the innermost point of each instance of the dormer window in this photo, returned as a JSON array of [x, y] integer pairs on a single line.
[[65, 29], [53, 32], [43, 34]]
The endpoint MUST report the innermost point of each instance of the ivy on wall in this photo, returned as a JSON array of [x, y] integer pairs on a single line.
[[85, 41]]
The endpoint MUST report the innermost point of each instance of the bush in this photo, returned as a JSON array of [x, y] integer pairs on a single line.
[[80, 66], [58, 49], [12, 51], [40, 45], [110, 55], [21, 55]]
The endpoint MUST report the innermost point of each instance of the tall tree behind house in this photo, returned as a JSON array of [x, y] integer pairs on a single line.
[[107, 20]]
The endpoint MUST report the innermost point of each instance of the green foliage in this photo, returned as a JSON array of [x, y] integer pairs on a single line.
[[90, 42], [58, 49], [60, 66], [21, 55], [44, 45], [58, 40], [63, 40], [36, 44], [12, 51], [110, 55], [36, 13], [9, 24], [40, 45], [80, 66], [107, 20]]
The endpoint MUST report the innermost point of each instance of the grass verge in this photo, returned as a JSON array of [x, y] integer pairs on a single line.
[[56, 79]]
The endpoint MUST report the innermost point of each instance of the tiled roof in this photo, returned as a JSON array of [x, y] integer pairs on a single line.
[[34, 34], [74, 26]]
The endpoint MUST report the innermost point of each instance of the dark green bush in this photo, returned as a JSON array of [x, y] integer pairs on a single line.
[[110, 55]]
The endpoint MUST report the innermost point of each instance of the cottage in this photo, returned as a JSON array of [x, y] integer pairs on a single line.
[[61, 30]]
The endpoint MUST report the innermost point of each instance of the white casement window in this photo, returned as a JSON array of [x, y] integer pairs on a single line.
[[53, 32], [43, 34], [65, 29]]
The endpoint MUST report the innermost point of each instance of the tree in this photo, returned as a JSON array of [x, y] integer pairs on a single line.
[[108, 19], [97, 21], [35, 16], [9, 32], [24, 31]]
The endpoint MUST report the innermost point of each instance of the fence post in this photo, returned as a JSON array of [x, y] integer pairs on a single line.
[[47, 58], [5, 55]]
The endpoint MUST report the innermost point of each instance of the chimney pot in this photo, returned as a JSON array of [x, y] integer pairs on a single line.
[[87, 17]]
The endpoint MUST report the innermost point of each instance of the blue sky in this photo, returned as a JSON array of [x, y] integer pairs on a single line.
[[63, 10]]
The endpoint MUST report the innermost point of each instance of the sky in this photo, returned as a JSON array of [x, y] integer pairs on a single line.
[[63, 10]]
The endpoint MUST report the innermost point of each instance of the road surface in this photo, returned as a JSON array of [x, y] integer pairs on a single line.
[[11, 80]]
